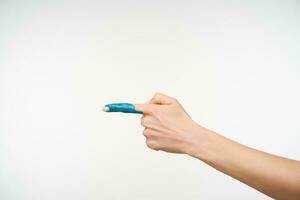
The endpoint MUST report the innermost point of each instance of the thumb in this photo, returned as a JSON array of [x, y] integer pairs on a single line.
[[145, 108], [162, 99]]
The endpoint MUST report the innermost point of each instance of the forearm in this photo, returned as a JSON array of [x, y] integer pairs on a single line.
[[275, 176], [169, 128]]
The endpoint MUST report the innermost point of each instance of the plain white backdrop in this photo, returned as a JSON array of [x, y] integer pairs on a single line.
[[234, 65]]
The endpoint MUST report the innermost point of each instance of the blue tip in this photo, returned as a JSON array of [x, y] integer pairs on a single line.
[[121, 107]]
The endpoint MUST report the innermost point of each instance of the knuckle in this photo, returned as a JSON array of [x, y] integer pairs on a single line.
[[157, 94], [149, 133], [150, 144], [154, 99], [146, 132]]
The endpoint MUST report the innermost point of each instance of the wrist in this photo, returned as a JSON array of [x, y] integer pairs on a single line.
[[201, 142]]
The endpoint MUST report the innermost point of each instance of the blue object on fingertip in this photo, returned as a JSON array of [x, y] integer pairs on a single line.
[[121, 107]]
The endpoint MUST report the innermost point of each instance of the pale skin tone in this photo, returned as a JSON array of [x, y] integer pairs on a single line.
[[169, 128]]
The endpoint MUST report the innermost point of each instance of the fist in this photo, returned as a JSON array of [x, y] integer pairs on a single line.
[[168, 127]]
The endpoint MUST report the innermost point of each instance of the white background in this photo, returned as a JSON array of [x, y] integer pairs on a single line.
[[234, 65]]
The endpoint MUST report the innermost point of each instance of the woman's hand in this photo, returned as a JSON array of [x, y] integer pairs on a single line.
[[168, 127]]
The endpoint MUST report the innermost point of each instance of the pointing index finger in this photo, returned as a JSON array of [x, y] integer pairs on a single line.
[[121, 107], [145, 108]]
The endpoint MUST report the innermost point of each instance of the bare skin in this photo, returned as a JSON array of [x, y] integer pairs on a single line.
[[169, 128]]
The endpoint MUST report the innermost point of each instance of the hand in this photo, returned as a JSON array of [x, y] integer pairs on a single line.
[[168, 127]]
